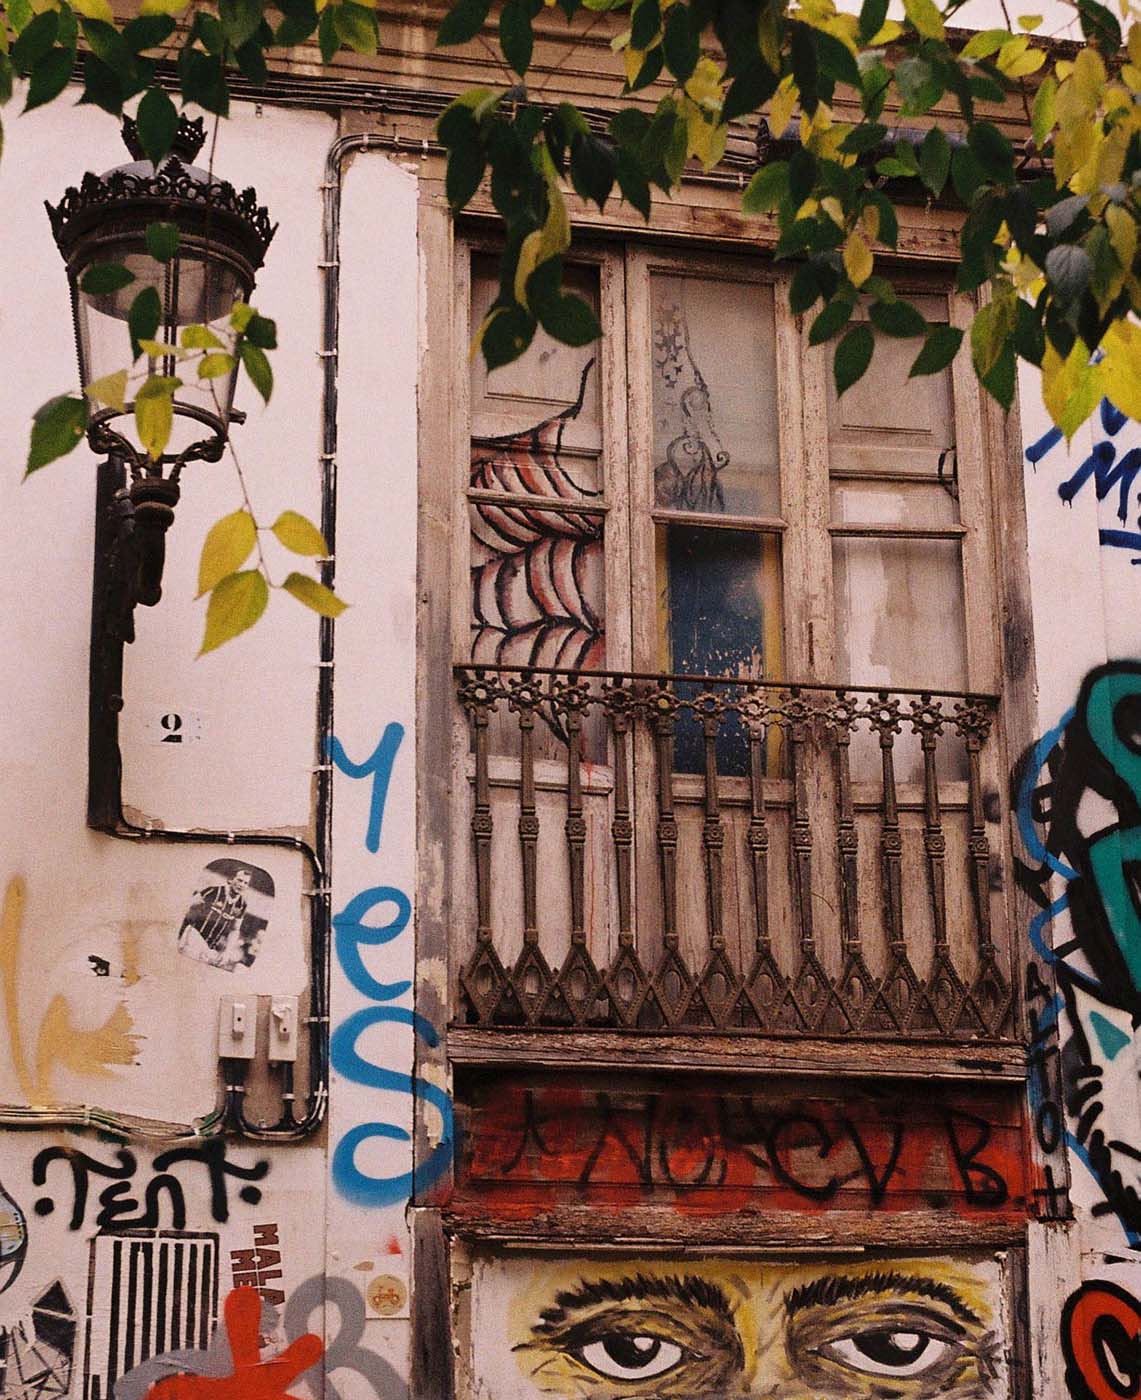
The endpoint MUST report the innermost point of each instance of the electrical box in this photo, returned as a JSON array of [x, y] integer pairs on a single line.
[[238, 1028], [282, 1029]]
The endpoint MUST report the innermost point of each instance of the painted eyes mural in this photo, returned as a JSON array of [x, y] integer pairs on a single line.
[[652, 1329]]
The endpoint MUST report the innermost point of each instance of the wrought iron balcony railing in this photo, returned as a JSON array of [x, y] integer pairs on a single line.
[[674, 853]]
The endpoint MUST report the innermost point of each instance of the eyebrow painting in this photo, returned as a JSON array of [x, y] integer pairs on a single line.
[[694, 1328]]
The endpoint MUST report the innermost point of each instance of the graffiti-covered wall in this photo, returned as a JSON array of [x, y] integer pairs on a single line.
[[155, 984], [1075, 795]]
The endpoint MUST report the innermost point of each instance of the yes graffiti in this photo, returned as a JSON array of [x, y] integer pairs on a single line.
[[1078, 801], [350, 933]]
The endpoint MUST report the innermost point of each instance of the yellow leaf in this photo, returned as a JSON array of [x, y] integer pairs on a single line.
[[1071, 388], [1019, 62], [1122, 234], [858, 260], [925, 17], [154, 413], [870, 218], [1131, 76], [241, 314], [481, 331], [1074, 144], [887, 33], [632, 60], [226, 549], [159, 349], [704, 139], [835, 210], [705, 85], [780, 108], [214, 366], [1121, 367], [162, 7], [550, 240], [299, 535], [994, 323], [94, 9], [314, 595], [111, 390], [1134, 43], [1029, 21], [198, 337], [235, 604]]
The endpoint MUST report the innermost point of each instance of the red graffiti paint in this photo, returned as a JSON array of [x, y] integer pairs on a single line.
[[252, 1378], [1101, 1338]]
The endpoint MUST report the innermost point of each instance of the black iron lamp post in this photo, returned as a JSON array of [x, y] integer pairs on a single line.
[[223, 235]]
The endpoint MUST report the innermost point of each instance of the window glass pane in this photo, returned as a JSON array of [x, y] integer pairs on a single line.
[[899, 612], [719, 614], [894, 503], [714, 397], [887, 422], [537, 587], [543, 412]]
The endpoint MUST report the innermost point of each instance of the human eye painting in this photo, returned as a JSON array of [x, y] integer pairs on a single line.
[[701, 1328]]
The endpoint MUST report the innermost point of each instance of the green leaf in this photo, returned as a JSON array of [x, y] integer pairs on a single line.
[[681, 43], [20, 13], [872, 15], [202, 78], [632, 182], [462, 22], [750, 89], [236, 603], [992, 327], [966, 173], [766, 189], [314, 595], [57, 427], [226, 548], [261, 331], [1068, 269], [939, 349], [257, 367], [101, 88], [918, 85], [836, 59], [299, 534], [985, 42], [516, 35], [101, 278], [863, 138], [568, 319], [154, 412], [804, 290], [356, 27], [628, 127], [49, 78], [328, 40], [898, 318], [1100, 27], [162, 241], [935, 161], [833, 318], [645, 23], [507, 334], [148, 32], [992, 150], [157, 120], [853, 356], [805, 69], [999, 382], [143, 318], [240, 20], [35, 41], [215, 365]]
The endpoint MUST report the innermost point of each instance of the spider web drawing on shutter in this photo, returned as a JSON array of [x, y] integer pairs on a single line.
[[537, 572]]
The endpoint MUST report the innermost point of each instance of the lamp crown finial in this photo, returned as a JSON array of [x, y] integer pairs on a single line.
[[189, 139]]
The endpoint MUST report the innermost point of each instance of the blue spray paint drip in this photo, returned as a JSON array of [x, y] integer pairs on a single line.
[[378, 766], [1034, 844]]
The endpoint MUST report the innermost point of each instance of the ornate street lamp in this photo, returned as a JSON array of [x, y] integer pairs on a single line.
[[222, 239]]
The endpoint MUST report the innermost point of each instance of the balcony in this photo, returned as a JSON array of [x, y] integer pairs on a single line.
[[678, 854]]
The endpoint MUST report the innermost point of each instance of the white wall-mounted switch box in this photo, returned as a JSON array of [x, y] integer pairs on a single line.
[[238, 1028], [282, 1029]]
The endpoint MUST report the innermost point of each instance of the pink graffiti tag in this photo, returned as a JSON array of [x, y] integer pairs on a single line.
[[252, 1378]]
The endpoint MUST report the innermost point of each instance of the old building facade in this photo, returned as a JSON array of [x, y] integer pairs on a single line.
[[677, 934]]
